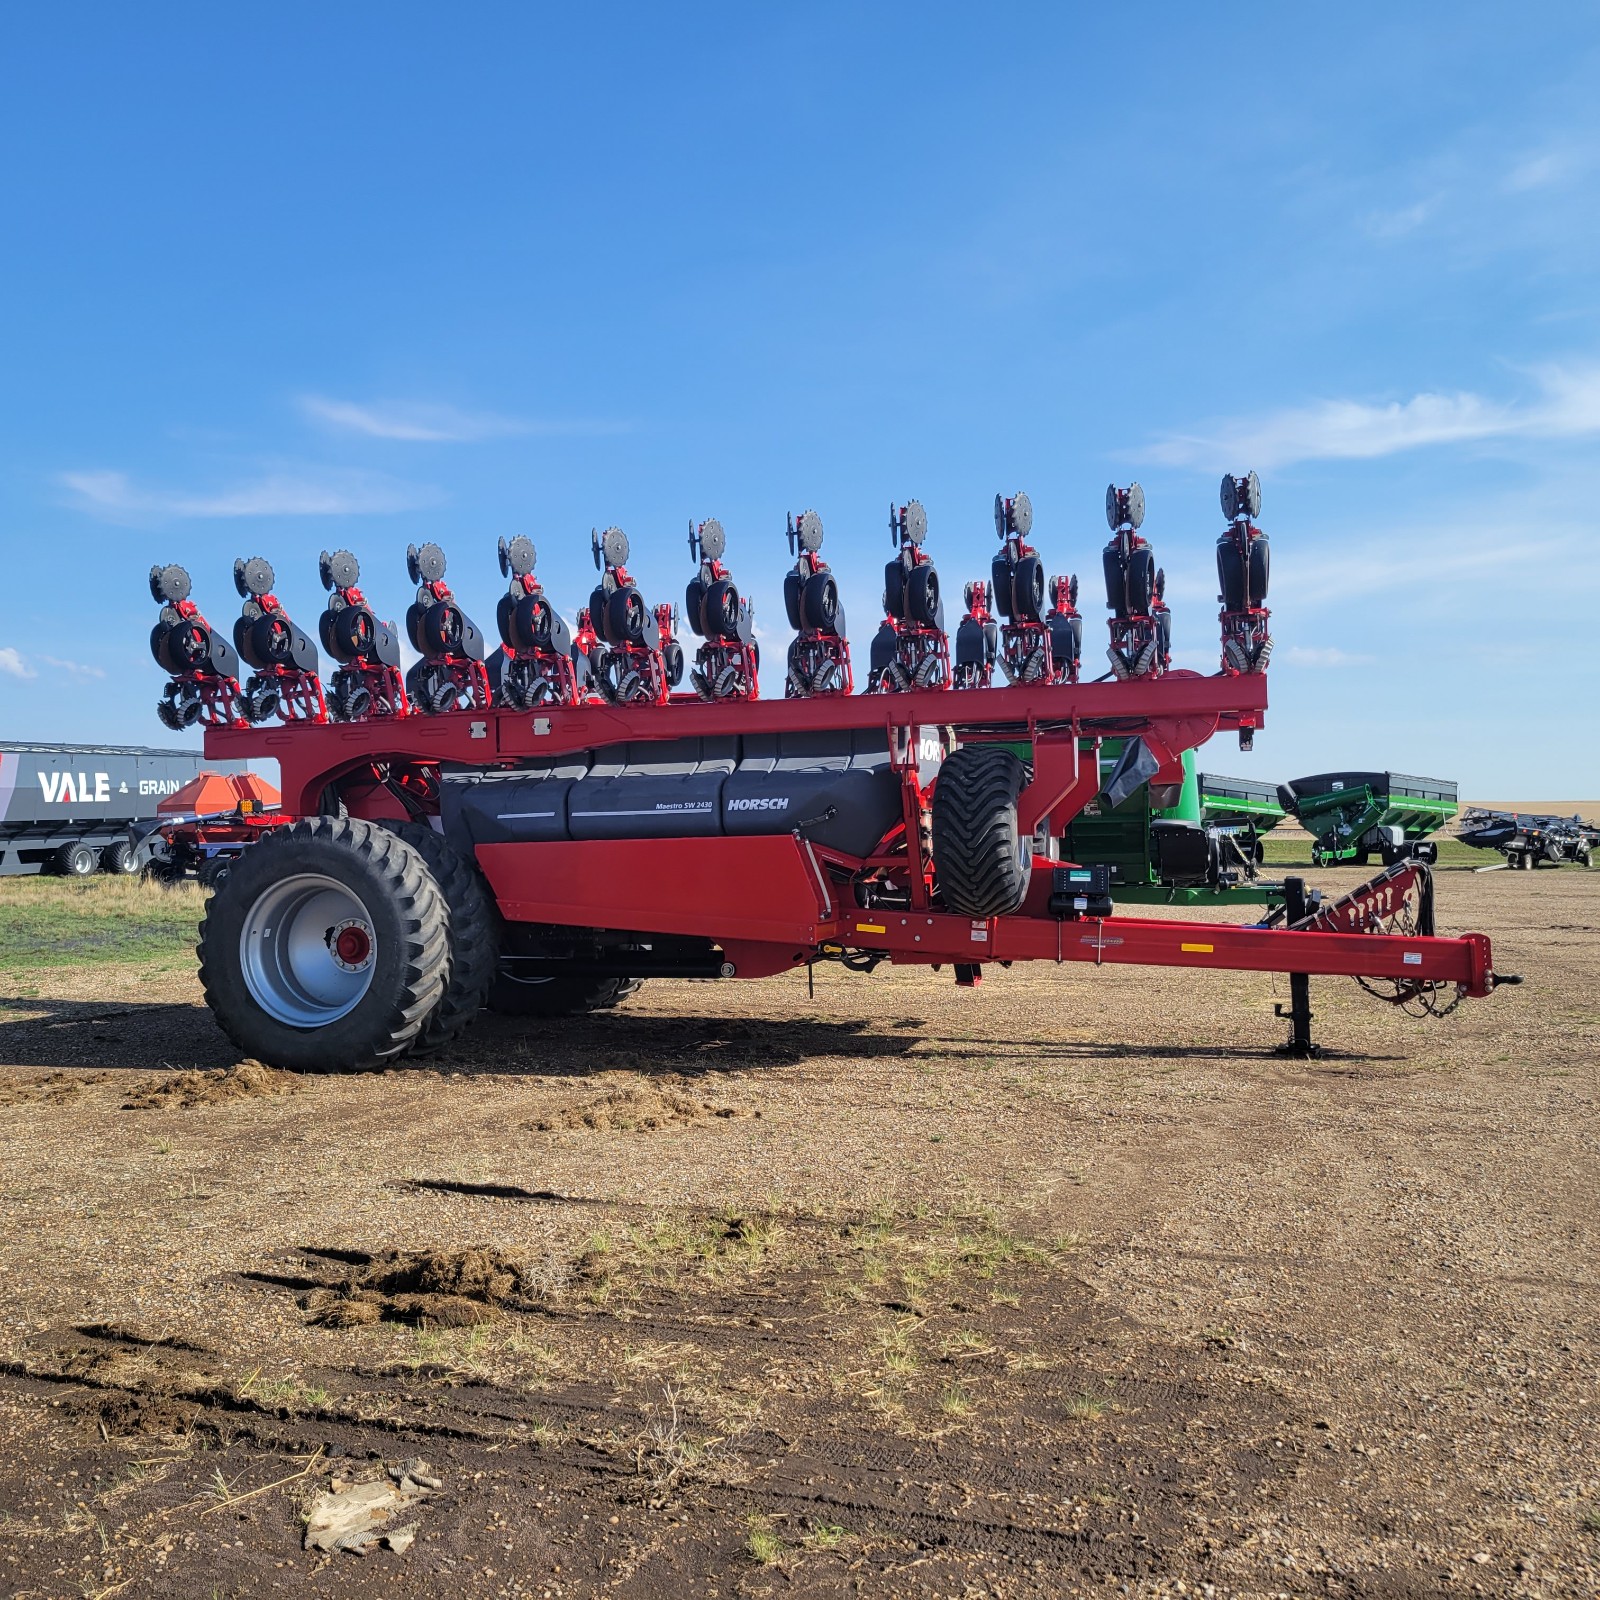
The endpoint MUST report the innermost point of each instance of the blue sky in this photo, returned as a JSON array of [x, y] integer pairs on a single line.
[[282, 278]]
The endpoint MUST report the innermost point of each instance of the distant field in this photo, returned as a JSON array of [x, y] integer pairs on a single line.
[[1294, 850], [66, 922]]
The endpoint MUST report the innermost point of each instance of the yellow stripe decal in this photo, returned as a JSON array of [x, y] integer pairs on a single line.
[[870, 927], [1199, 949]]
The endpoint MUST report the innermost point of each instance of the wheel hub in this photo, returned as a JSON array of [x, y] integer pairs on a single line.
[[351, 944], [307, 949]]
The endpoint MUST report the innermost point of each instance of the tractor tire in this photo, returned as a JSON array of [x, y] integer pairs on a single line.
[[326, 948], [556, 996], [118, 859], [474, 923], [76, 859], [792, 583], [982, 861]]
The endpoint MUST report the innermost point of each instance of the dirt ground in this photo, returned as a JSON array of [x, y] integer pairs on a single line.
[[1069, 1286]]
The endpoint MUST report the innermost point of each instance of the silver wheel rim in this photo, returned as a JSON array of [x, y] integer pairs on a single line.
[[307, 951]]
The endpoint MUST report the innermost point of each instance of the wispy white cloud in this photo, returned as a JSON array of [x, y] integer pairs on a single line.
[[274, 494], [11, 662], [1567, 406], [1306, 655], [1545, 170], [425, 423], [1406, 220], [73, 669]]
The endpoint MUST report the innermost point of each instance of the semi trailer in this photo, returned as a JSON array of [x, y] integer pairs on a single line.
[[67, 807]]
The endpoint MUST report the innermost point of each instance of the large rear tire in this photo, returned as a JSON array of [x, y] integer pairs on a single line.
[[982, 860], [326, 948], [556, 996], [474, 924]]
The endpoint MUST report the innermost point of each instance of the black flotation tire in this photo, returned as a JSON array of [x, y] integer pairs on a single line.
[[983, 864], [562, 995], [411, 937], [474, 934]]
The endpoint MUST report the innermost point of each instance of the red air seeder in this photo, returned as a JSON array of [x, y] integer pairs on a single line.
[[625, 832]]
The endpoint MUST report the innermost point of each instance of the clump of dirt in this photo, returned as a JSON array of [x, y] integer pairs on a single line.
[[635, 1110], [245, 1080], [131, 1412], [51, 1090], [438, 1288]]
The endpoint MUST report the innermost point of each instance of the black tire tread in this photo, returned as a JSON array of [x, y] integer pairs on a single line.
[[558, 996], [116, 858], [474, 934], [426, 965], [975, 844]]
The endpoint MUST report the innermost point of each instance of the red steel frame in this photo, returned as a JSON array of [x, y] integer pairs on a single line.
[[784, 906]]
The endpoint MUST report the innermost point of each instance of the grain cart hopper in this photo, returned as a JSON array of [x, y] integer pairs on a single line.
[[1246, 808], [1162, 846], [545, 861], [1352, 816]]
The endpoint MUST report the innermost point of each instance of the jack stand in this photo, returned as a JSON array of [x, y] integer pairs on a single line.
[[1299, 1044]]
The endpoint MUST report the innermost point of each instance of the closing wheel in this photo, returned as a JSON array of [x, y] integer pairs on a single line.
[[474, 933], [556, 995], [981, 859], [326, 948]]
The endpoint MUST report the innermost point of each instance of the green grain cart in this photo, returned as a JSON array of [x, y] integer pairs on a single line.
[[1172, 844], [1353, 816], [1246, 808]]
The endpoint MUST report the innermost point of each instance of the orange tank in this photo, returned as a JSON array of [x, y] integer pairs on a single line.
[[214, 794]]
